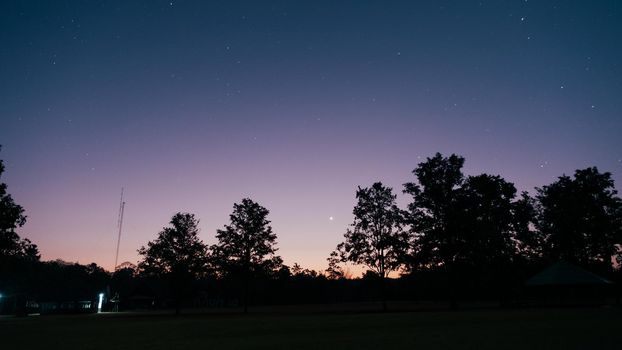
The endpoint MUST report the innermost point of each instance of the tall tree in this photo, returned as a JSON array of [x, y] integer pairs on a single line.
[[11, 217], [177, 255], [431, 214], [466, 227], [376, 239], [247, 245], [485, 221], [488, 220], [580, 219]]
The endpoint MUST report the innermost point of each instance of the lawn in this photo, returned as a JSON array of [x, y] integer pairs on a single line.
[[595, 328]]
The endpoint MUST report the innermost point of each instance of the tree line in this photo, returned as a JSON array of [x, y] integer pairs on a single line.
[[459, 234], [479, 230]]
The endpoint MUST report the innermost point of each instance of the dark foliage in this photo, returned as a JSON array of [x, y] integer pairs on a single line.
[[247, 246], [11, 217], [376, 239], [334, 271], [26, 284], [464, 238], [473, 231], [580, 219], [432, 214], [177, 255], [485, 221]]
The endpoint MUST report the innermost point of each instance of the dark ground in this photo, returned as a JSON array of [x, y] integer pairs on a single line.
[[526, 329]]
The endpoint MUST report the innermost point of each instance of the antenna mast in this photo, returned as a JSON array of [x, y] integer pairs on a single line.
[[119, 226]]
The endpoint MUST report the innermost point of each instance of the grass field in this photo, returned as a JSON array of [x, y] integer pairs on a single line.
[[595, 328]]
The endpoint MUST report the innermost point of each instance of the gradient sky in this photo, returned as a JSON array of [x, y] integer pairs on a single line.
[[193, 105]]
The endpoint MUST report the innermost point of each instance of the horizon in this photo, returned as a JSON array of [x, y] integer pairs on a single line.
[[192, 106], [355, 270]]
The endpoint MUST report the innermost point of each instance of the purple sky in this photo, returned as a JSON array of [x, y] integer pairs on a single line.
[[193, 105]]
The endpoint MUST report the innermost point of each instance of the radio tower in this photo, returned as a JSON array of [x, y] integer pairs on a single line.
[[119, 226]]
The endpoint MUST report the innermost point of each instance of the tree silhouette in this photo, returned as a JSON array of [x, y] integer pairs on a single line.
[[431, 214], [18, 257], [467, 227], [11, 217], [486, 221], [247, 245], [376, 239], [580, 219], [177, 254], [334, 271]]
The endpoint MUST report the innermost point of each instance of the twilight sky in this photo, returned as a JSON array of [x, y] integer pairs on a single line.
[[193, 105]]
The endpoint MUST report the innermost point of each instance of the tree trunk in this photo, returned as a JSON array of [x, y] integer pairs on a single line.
[[383, 293], [246, 278]]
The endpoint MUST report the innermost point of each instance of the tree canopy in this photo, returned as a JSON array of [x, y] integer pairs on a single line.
[[177, 255], [12, 217], [432, 213], [247, 243], [177, 250], [375, 239], [460, 236], [464, 222], [579, 219], [485, 221]]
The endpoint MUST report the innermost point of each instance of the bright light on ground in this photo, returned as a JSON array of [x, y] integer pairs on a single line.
[[99, 304]]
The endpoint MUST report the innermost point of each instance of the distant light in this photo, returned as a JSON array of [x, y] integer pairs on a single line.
[[0, 295], [99, 304], [331, 218]]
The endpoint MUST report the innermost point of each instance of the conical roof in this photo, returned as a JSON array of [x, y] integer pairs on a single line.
[[565, 273]]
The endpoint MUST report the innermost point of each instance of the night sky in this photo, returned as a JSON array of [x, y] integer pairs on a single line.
[[193, 105]]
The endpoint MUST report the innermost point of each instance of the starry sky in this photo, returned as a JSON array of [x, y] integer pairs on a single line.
[[193, 105]]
